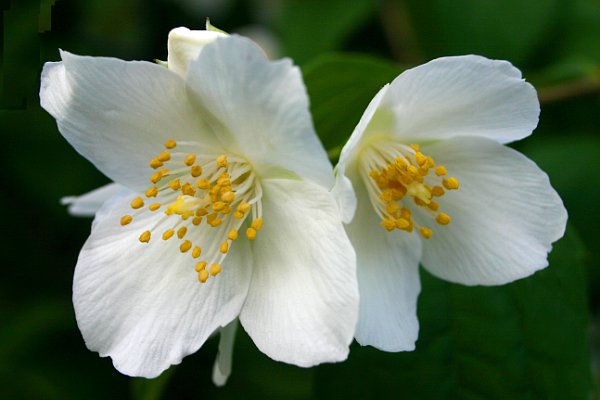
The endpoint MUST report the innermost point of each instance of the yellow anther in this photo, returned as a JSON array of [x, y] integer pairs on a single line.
[[190, 159], [440, 170], [386, 196], [400, 163], [157, 176], [196, 252], [233, 234], [188, 190], [251, 233], [226, 209], [155, 163], [224, 247], [402, 223], [185, 246], [218, 206], [228, 196], [392, 208], [197, 221], [145, 237], [203, 275], [415, 147], [450, 183], [137, 203], [168, 234], [437, 191], [152, 192], [200, 212], [203, 184], [413, 170], [405, 213], [164, 156], [154, 206], [196, 171], [215, 269], [430, 162], [257, 224], [170, 144], [200, 266], [238, 215], [433, 205], [213, 220], [420, 158], [126, 220], [425, 232], [388, 224], [181, 232], [222, 161], [244, 207], [175, 184], [443, 219]]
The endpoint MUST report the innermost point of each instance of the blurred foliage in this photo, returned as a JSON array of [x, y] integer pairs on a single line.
[[526, 340]]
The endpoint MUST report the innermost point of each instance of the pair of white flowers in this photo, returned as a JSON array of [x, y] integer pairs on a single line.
[[225, 205]]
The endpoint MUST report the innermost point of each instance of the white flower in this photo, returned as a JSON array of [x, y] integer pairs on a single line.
[[232, 219], [435, 185]]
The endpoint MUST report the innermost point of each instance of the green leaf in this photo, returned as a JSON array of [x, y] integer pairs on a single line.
[[151, 389], [526, 340], [340, 87]]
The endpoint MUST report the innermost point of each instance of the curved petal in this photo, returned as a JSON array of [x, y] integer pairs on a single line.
[[462, 96], [89, 203], [185, 45], [343, 193], [142, 304], [118, 114], [222, 366], [505, 215], [388, 280], [302, 304], [262, 107]]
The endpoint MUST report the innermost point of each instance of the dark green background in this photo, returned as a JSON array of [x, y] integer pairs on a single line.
[[534, 339]]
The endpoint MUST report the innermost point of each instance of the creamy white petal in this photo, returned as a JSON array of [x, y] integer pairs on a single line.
[[86, 205], [261, 108], [302, 304], [343, 192], [505, 215], [222, 366], [461, 96], [141, 304], [118, 114], [388, 280], [185, 45]]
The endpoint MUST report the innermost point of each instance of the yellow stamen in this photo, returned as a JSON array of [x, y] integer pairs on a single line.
[[388, 224], [185, 246], [145, 237], [197, 221], [257, 224], [200, 266], [222, 161], [190, 159], [437, 191], [425, 232], [215, 269], [203, 275], [443, 219], [126, 219], [203, 184], [152, 192], [196, 252], [157, 176], [218, 206], [164, 156], [181, 232], [168, 234], [154, 206], [196, 171], [450, 183], [188, 190], [233, 235], [137, 203], [440, 171], [415, 147], [156, 163], [228, 196], [175, 184], [224, 247], [251, 233], [170, 144]]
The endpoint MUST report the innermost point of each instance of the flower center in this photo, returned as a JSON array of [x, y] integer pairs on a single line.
[[394, 173], [201, 196]]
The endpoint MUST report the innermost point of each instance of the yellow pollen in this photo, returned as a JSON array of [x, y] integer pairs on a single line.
[[415, 147], [200, 212], [214, 222], [420, 158], [203, 184], [175, 184], [190, 159], [196, 171], [156, 163], [233, 235], [392, 208], [226, 209], [152, 192], [244, 207], [188, 190], [185, 246], [437, 191], [440, 171], [168, 234], [200, 266], [238, 215], [215, 269], [218, 206], [164, 156], [157, 176], [433, 205], [196, 252], [402, 223], [181, 232], [251, 233], [388, 224], [154, 206], [443, 219], [137, 203], [222, 161], [425, 232], [450, 183], [197, 221], [257, 224], [203, 275], [126, 219], [228, 196], [145, 237], [224, 247], [170, 144]]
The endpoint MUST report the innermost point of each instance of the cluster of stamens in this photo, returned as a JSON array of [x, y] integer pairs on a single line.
[[395, 172], [200, 196]]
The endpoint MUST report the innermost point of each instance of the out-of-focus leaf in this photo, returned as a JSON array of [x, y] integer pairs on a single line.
[[311, 27], [526, 340], [151, 389], [340, 87], [509, 29]]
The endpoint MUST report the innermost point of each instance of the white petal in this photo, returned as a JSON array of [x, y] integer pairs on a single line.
[[222, 366], [505, 215], [142, 304], [343, 192], [89, 203], [388, 280], [184, 45], [302, 304], [261, 107], [463, 96], [118, 114]]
